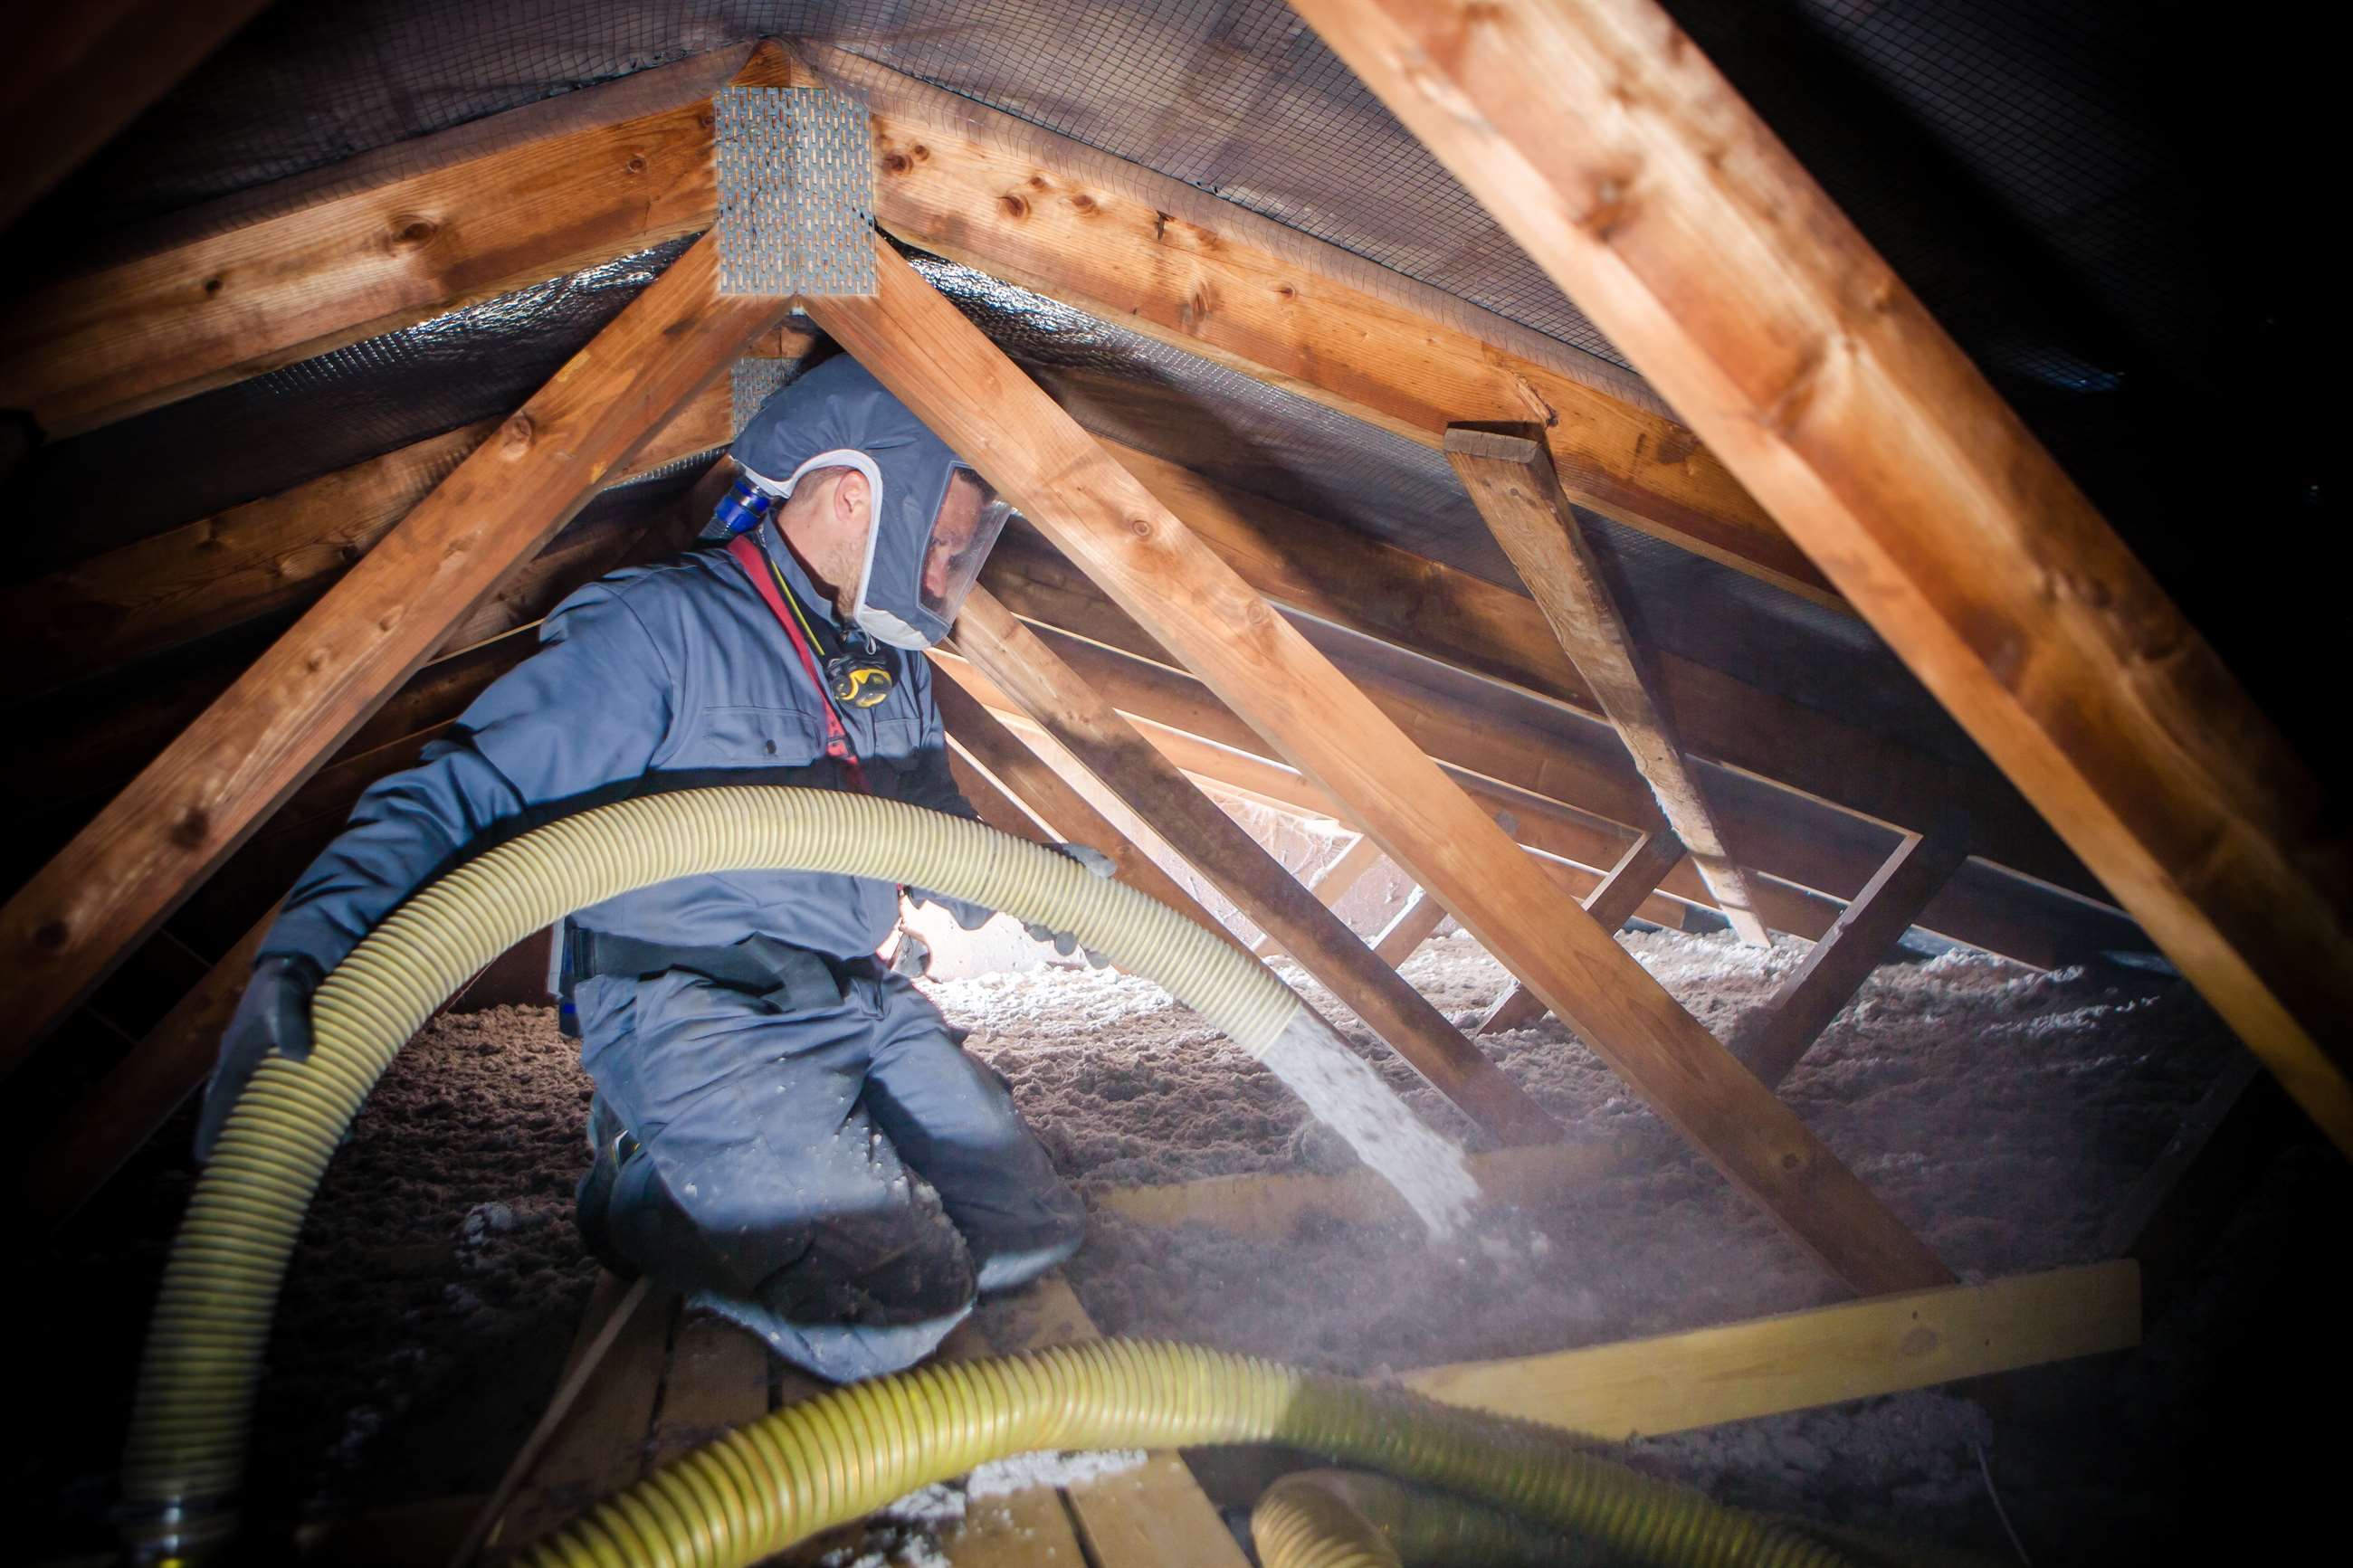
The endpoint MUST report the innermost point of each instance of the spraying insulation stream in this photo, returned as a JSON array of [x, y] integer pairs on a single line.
[[837, 1458]]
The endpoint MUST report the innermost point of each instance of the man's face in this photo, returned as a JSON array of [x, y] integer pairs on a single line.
[[952, 535]]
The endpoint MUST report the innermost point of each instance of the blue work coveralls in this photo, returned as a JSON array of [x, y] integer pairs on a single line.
[[770, 1134]]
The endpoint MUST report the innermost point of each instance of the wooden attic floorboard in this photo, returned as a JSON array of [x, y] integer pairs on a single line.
[[672, 1380]]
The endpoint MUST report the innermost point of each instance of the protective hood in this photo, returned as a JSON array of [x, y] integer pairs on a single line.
[[839, 416]]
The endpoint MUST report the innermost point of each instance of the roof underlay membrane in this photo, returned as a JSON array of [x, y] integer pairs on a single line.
[[2013, 161]]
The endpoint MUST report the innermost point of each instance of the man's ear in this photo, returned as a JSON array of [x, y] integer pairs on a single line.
[[852, 496]]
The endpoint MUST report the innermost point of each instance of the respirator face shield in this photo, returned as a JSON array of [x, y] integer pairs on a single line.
[[971, 516]]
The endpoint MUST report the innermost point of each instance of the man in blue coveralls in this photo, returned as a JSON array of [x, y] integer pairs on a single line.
[[764, 1087]]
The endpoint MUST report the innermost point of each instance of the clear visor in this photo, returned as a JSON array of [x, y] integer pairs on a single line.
[[971, 517]]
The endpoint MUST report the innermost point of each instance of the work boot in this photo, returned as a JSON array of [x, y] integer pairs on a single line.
[[593, 1204]]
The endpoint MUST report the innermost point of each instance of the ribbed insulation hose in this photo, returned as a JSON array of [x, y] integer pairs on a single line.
[[1346, 1519], [830, 1460], [837, 1458]]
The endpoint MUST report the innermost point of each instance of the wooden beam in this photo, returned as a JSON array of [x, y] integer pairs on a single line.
[[281, 552], [1408, 928], [274, 554], [387, 241], [1153, 254], [1583, 763], [963, 386], [1773, 1039], [1032, 778], [1334, 574], [1636, 876], [1511, 479], [1084, 725], [177, 821], [1858, 1350], [75, 76], [1332, 883], [1625, 166]]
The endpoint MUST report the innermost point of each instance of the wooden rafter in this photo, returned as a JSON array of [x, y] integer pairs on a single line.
[[963, 387], [1611, 148], [75, 76], [1236, 756], [283, 551], [1338, 575], [267, 556], [1033, 781], [601, 172], [1154, 254], [393, 239], [1791, 840], [1408, 927], [1084, 725], [1332, 883], [211, 787], [1773, 1038], [1509, 477], [1611, 904]]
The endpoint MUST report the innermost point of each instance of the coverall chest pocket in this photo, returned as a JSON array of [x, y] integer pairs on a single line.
[[745, 737]]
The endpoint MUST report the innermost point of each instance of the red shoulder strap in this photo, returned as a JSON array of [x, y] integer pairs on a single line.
[[762, 572]]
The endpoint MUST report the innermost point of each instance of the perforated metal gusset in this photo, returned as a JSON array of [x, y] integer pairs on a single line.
[[795, 192]]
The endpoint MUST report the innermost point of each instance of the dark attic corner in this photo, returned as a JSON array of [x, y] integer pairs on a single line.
[[1168, 785]]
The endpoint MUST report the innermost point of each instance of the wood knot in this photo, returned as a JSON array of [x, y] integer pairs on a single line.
[[51, 936], [920, 153], [1140, 526], [1612, 200], [1285, 291], [515, 437], [636, 165], [413, 232], [1793, 1161], [1014, 206], [1082, 202], [190, 831], [213, 286], [896, 163]]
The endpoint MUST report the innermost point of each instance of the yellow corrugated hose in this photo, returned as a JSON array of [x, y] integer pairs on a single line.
[[1347, 1519], [837, 1458]]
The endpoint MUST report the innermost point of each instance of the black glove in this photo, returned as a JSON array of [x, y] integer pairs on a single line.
[[1063, 942], [274, 1014]]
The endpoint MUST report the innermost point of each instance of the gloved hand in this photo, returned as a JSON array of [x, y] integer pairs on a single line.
[[1065, 942], [274, 1014]]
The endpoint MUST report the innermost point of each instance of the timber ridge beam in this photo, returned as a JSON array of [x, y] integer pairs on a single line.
[[1884, 452], [196, 801], [962, 385]]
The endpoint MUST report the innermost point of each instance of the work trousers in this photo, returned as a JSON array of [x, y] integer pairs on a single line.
[[840, 1179]]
